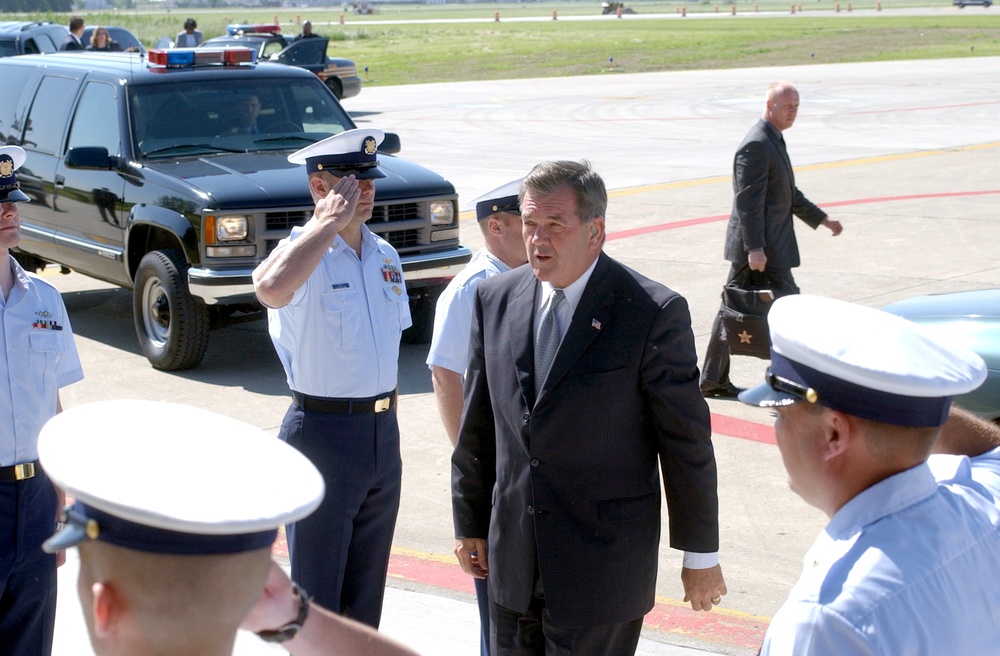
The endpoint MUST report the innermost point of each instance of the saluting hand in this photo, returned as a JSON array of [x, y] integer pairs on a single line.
[[337, 207]]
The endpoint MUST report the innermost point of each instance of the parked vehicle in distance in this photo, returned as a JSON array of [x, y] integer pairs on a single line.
[[30, 37], [128, 41], [172, 178], [961, 4], [341, 75], [969, 318]]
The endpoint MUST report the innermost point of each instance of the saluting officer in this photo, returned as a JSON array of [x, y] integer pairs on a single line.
[[37, 357], [337, 307]]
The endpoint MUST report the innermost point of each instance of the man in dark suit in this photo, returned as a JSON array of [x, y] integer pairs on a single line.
[[556, 489], [760, 232], [74, 40]]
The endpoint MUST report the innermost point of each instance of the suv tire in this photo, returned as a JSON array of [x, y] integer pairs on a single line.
[[172, 327]]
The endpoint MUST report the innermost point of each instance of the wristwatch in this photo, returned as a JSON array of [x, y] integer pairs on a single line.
[[290, 630]]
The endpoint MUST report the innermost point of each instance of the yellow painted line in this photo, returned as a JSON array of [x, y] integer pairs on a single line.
[[667, 601], [663, 186], [450, 559]]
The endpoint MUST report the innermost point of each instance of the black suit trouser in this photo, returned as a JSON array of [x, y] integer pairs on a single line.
[[715, 372], [533, 633]]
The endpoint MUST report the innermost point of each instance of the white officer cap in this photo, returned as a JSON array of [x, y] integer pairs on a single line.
[[863, 362], [169, 478], [353, 152], [11, 159], [502, 199]]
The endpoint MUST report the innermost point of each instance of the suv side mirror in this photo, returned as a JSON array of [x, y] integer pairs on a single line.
[[89, 157], [390, 144]]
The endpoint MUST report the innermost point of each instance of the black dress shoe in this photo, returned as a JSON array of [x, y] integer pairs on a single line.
[[724, 391]]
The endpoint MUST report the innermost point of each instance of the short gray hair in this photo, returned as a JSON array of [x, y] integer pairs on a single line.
[[586, 184]]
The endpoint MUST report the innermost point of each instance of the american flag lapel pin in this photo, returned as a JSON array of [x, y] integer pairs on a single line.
[[595, 324]]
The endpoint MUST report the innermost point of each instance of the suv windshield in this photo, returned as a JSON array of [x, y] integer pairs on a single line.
[[195, 118]]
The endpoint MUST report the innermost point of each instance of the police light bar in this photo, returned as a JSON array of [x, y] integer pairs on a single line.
[[192, 57], [237, 28]]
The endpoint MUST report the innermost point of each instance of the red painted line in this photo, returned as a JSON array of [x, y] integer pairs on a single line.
[[718, 627], [743, 429], [635, 232], [929, 108]]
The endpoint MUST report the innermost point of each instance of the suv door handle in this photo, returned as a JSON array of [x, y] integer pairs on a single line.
[[60, 181]]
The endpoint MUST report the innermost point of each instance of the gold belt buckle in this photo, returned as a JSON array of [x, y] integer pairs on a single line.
[[24, 471], [381, 405]]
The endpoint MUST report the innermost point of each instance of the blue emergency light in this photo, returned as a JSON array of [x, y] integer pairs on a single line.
[[192, 57]]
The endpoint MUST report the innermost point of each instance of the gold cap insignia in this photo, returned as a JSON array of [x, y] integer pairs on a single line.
[[6, 168], [370, 146]]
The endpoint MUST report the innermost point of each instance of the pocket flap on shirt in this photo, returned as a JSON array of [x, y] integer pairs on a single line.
[[395, 291], [45, 340], [341, 299]]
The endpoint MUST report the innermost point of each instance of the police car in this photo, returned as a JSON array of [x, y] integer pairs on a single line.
[[341, 75], [169, 175]]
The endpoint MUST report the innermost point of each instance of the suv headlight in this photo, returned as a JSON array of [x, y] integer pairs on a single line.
[[231, 228], [222, 231], [442, 213]]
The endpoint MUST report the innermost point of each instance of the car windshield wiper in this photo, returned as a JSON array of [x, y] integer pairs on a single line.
[[285, 138], [167, 149]]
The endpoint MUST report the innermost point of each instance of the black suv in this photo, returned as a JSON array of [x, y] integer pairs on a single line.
[[30, 38], [139, 175]]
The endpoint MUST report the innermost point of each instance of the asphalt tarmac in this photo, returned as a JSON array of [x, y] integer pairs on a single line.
[[904, 154]]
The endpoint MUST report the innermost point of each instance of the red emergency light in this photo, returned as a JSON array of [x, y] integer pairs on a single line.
[[192, 57]]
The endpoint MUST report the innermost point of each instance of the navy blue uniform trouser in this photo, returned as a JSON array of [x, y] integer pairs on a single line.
[[483, 601], [716, 369], [340, 553], [27, 574]]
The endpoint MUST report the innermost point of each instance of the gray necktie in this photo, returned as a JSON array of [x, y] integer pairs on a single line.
[[547, 339]]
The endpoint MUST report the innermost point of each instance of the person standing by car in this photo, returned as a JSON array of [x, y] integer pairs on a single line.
[[74, 40], [337, 306], [37, 359], [307, 32], [760, 232], [190, 36], [499, 215], [100, 41]]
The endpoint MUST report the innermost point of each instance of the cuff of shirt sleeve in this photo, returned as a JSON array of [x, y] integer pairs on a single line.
[[693, 560]]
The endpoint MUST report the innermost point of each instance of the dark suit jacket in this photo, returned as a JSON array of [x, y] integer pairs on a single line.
[[71, 43], [764, 199], [573, 477]]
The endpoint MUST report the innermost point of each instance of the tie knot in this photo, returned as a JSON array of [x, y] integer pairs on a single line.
[[558, 296]]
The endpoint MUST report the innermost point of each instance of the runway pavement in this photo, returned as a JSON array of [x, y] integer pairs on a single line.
[[904, 154]]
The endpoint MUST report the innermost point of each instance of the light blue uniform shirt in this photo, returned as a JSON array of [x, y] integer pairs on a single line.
[[453, 313], [39, 357], [909, 567], [339, 336]]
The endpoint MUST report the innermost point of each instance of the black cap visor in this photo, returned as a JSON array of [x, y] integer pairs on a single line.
[[777, 392]]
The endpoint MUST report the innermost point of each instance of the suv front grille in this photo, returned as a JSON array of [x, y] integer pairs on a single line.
[[285, 220], [393, 213], [277, 225]]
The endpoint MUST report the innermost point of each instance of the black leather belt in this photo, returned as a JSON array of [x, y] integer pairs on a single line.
[[17, 473], [343, 406]]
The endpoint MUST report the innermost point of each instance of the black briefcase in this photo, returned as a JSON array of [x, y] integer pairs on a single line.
[[746, 300]]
